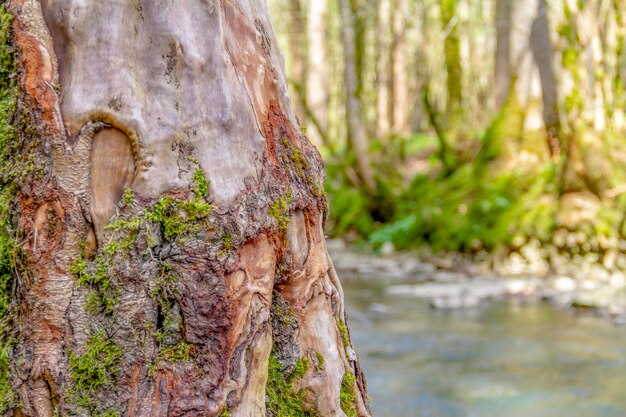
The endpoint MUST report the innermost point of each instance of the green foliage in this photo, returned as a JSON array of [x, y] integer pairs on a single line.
[[468, 211], [347, 394], [350, 210], [93, 370], [225, 412]]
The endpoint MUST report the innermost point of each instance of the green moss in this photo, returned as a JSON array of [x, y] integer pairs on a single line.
[[93, 370], [180, 352], [178, 217], [165, 288], [13, 169], [129, 197], [166, 212], [227, 243], [347, 394], [280, 212], [201, 183], [95, 276], [281, 400], [300, 368], [295, 154], [320, 360], [283, 313], [225, 412], [344, 333]]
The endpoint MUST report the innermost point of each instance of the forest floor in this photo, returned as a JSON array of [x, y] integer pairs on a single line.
[[453, 281]]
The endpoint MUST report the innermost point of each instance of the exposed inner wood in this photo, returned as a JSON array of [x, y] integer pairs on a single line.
[[112, 171]]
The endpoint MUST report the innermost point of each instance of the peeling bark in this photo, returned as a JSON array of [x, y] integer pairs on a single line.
[[173, 235]]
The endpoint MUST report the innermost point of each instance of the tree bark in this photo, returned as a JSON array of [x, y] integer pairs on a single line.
[[169, 214], [317, 81], [357, 134], [452, 51], [503, 51], [542, 52], [384, 116], [297, 53], [399, 71]]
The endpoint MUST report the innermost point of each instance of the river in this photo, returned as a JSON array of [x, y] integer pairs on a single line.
[[507, 359]]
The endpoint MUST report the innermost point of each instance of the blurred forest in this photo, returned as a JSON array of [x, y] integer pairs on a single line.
[[466, 125]]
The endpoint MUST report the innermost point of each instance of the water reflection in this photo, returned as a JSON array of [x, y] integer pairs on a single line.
[[503, 360]]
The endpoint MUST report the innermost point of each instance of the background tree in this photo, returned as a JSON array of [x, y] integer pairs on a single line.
[[162, 220]]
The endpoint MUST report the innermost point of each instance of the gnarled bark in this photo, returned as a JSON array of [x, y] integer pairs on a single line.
[[173, 238]]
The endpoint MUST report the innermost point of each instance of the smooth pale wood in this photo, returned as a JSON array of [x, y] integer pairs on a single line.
[[112, 172]]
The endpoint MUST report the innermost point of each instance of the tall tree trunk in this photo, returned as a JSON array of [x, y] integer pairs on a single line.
[[452, 51], [357, 135], [503, 51], [384, 117], [169, 216], [400, 84], [297, 53], [542, 52], [317, 81], [356, 8]]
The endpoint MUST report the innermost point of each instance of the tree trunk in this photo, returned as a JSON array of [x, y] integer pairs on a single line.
[[452, 52], [384, 117], [503, 51], [317, 81], [398, 60], [357, 135], [169, 215], [542, 52], [297, 53], [358, 24]]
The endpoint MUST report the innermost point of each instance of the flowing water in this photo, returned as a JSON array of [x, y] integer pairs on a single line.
[[504, 360]]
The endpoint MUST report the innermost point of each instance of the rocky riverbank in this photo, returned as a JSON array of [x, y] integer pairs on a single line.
[[453, 281]]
